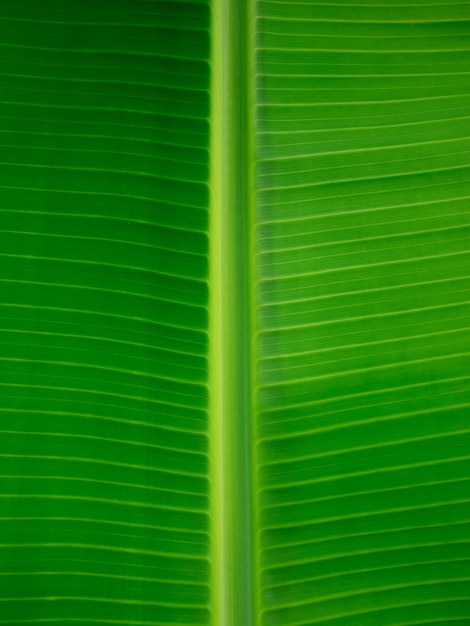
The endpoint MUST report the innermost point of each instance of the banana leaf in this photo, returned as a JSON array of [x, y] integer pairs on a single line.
[[234, 312]]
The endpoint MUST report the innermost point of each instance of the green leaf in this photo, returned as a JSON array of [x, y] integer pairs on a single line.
[[234, 313]]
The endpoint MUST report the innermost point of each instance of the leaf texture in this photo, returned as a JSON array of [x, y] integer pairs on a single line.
[[363, 405], [103, 313], [321, 255]]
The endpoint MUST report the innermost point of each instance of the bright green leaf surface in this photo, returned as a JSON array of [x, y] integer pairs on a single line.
[[234, 317], [364, 288]]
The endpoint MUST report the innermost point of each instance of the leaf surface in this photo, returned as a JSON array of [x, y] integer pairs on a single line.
[[234, 313]]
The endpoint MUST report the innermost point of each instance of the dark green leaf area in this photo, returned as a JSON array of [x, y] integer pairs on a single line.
[[104, 137]]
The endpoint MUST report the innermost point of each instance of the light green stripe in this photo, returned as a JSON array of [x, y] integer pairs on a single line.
[[230, 287]]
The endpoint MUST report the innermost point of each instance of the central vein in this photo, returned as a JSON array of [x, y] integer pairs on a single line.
[[231, 322]]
